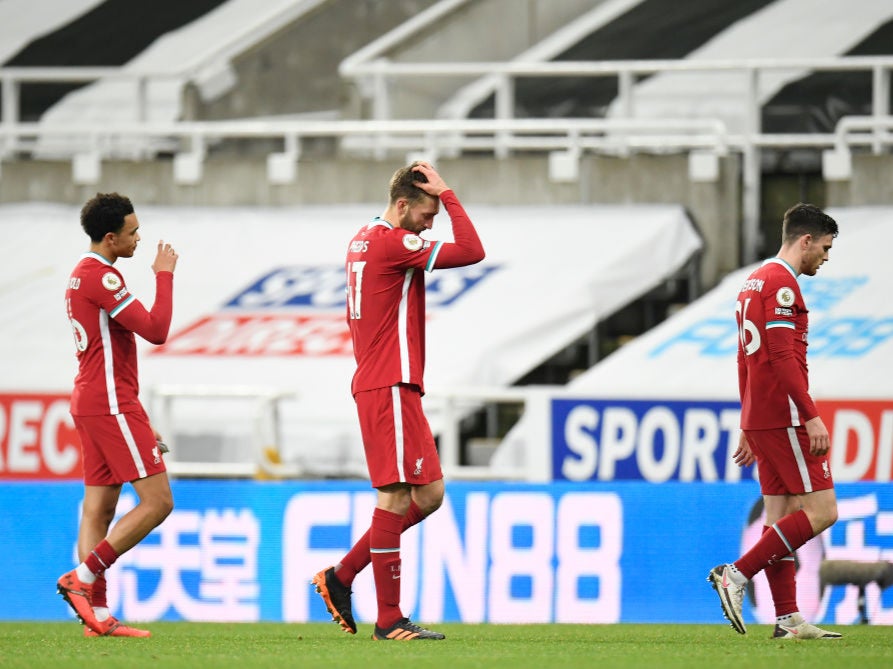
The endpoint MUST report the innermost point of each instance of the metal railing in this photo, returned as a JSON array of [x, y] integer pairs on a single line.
[[504, 134], [260, 456], [376, 77]]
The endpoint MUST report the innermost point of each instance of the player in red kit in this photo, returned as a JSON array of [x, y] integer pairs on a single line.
[[780, 427], [386, 261], [117, 441]]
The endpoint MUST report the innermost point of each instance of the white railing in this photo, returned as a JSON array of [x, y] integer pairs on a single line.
[[262, 449], [377, 76], [564, 139], [448, 407], [851, 131], [12, 78], [259, 456]]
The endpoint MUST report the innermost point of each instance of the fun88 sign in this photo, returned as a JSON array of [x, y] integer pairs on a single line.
[[650, 440]]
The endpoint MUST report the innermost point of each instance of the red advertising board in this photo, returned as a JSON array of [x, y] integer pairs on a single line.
[[248, 334], [37, 437], [861, 438]]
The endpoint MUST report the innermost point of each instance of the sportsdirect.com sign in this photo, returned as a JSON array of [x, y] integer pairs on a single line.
[[297, 311], [657, 441]]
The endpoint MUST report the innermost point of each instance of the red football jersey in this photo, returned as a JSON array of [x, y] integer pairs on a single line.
[[772, 327], [104, 316], [386, 295]]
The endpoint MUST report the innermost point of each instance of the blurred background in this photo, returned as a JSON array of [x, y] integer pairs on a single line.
[[626, 163]]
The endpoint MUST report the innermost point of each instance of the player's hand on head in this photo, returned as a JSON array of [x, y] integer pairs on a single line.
[[165, 258], [436, 185]]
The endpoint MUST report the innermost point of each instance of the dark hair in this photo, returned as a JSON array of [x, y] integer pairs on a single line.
[[403, 184], [104, 213], [806, 219]]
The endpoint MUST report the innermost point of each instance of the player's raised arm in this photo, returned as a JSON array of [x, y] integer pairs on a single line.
[[467, 248], [154, 324]]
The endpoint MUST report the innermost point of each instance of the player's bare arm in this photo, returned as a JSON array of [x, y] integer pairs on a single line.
[[165, 258], [436, 185], [819, 439]]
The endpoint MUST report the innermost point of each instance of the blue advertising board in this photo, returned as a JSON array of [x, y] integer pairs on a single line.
[[645, 440], [495, 552]]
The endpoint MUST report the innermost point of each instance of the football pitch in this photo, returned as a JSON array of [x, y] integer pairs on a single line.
[[251, 646]]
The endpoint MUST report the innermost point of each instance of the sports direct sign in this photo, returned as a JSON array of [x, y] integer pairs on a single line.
[[658, 441], [298, 311], [37, 438]]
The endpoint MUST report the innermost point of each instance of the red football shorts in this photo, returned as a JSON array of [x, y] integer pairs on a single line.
[[118, 449], [396, 437], [784, 463]]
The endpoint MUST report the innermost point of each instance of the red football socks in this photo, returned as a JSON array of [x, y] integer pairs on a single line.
[[783, 538], [358, 558], [782, 580], [101, 558], [384, 545]]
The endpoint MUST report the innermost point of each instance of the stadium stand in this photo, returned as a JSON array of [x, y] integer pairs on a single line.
[[244, 107], [96, 38], [588, 358], [197, 42], [24, 21], [618, 30], [817, 101], [764, 32]]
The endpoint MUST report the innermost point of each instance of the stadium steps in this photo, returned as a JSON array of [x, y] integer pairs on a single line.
[[793, 101], [108, 34], [646, 31], [818, 101]]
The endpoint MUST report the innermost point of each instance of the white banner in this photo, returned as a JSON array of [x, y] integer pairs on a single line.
[[259, 301]]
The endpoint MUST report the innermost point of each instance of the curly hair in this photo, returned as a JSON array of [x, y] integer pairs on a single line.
[[104, 213]]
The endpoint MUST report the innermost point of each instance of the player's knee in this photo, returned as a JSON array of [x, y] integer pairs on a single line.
[[168, 506], [825, 518], [429, 497], [431, 505], [162, 508]]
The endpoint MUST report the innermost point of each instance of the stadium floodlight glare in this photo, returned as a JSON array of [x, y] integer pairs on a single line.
[[86, 168]]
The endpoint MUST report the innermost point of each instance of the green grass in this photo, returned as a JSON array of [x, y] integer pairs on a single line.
[[253, 646]]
